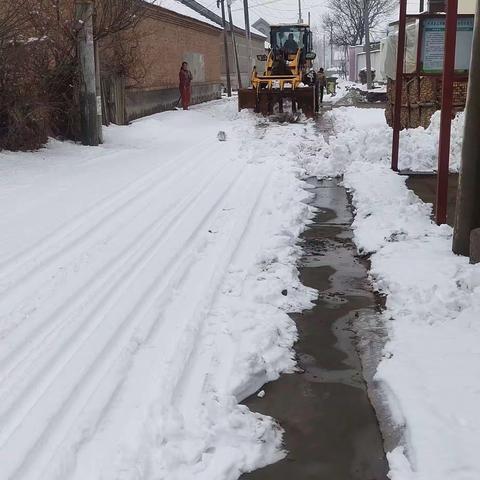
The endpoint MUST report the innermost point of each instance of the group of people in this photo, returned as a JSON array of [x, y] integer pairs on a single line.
[[185, 83]]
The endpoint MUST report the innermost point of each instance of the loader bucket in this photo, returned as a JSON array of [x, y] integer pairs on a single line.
[[247, 98], [272, 101]]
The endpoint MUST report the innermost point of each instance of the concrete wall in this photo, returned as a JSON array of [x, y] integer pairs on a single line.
[[258, 48], [467, 6], [352, 63], [139, 103], [376, 59]]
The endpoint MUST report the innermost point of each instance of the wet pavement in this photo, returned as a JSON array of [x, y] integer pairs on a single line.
[[425, 187], [331, 431]]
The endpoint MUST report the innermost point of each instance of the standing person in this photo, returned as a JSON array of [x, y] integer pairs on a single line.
[[322, 83], [311, 79], [185, 77]]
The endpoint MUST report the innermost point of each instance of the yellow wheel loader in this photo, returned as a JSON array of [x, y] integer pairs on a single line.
[[285, 83]]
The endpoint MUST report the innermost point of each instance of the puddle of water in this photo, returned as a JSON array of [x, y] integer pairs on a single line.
[[331, 432]]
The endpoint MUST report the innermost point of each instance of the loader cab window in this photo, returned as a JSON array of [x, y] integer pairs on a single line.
[[287, 40]]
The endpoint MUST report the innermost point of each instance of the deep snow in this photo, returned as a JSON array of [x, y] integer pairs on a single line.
[[362, 133], [141, 298], [430, 371]]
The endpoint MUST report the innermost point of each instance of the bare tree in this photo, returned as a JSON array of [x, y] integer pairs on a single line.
[[12, 19], [345, 19], [115, 16], [39, 66]]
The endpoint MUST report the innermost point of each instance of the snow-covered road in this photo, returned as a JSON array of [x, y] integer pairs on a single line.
[[141, 298]]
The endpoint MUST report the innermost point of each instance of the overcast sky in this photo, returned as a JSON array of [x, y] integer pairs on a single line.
[[283, 11]]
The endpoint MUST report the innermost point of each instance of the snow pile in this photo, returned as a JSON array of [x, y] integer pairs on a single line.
[[430, 369], [143, 297], [342, 90], [366, 136], [431, 364], [419, 146]]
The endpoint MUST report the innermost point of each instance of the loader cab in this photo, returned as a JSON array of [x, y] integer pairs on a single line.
[[287, 39]]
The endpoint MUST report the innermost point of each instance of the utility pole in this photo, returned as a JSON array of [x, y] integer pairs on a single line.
[[225, 45], [331, 45], [98, 93], [422, 6], [446, 111], [300, 19], [368, 59], [467, 213], [234, 42], [86, 57], [247, 34], [324, 52], [397, 107]]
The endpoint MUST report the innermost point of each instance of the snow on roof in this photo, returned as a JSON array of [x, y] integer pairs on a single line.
[[237, 15], [178, 7], [256, 32]]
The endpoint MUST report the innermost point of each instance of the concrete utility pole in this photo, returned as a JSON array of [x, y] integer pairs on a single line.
[[248, 35], [467, 213], [300, 19], [225, 45], [331, 45], [234, 41], [368, 59], [446, 111], [86, 55], [98, 92], [324, 52]]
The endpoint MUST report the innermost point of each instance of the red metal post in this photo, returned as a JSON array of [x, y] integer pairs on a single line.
[[446, 112], [397, 107]]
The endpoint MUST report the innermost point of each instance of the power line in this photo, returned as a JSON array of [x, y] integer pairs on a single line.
[[259, 4]]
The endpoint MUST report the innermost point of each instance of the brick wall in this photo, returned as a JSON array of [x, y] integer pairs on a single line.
[[162, 41], [166, 39]]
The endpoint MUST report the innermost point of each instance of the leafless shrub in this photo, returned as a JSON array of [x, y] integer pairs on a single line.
[[39, 66]]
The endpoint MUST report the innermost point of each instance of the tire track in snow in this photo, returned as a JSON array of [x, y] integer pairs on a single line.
[[195, 371], [192, 368], [41, 363], [179, 346], [21, 344], [81, 389], [102, 305], [16, 270]]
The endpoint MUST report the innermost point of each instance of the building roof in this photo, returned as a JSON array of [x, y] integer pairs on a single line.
[[178, 7], [198, 11], [203, 7]]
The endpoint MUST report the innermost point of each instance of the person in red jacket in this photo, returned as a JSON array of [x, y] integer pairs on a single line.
[[185, 77]]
